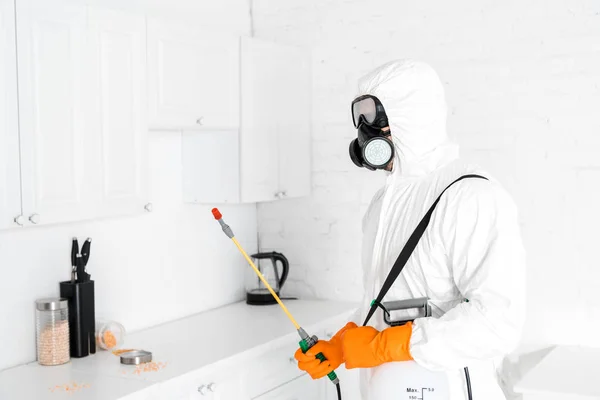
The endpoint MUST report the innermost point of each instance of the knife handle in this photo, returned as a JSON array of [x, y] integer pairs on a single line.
[[85, 251], [74, 251]]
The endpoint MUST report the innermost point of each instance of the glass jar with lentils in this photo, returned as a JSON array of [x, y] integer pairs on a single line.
[[52, 331]]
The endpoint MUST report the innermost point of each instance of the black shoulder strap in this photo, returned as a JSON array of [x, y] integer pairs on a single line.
[[408, 249]]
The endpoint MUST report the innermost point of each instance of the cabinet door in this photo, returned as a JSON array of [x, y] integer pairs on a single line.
[[207, 384], [51, 40], [276, 121], [193, 77], [302, 388], [294, 120], [10, 189], [118, 64], [349, 384], [210, 167], [228, 391], [259, 134]]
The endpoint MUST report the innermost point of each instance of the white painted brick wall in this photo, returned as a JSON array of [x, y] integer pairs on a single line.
[[523, 86]]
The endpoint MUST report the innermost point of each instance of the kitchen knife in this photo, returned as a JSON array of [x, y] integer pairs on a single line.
[[85, 251], [74, 252], [85, 255]]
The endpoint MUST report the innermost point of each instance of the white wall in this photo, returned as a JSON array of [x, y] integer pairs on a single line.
[[148, 269], [523, 86]]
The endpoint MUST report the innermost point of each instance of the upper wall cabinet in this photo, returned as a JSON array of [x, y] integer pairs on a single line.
[[54, 104], [10, 196], [276, 121], [269, 157], [82, 111], [193, 77], [119, 111]]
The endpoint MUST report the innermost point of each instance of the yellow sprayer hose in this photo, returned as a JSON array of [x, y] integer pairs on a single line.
[[262, 278]]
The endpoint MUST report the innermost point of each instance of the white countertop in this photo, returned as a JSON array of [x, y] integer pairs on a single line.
[[569, 371], [183, 346]]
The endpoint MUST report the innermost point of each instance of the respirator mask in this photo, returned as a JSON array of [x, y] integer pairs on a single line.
[[372, 149]]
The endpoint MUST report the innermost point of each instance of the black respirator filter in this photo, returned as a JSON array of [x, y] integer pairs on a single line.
[[371, 149]]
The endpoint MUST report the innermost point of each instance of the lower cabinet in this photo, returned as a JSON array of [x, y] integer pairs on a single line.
[[349, 385], [229, 386], [224, 386], [301, 388], [272, 374], [221, 382], [271, 370]]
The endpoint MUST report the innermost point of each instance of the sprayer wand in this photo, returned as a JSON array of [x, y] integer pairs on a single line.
[[307, 341]]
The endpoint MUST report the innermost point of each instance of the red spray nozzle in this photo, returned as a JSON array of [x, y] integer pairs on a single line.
[[224, 226]]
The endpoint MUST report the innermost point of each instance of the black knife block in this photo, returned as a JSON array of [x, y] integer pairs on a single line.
[[82, 317]]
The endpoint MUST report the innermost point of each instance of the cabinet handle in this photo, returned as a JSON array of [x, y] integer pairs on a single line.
[[281, 195], [200, 121], [19, 220], [149, 207], [202, 389], [34, 218], [212, 386]]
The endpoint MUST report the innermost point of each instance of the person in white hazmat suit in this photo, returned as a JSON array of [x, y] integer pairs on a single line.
[[469, 262]]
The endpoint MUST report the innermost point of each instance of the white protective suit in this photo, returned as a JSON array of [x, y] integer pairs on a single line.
[[471, 250]]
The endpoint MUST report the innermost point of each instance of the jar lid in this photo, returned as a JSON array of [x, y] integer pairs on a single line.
[[136, 357], [51, 304]]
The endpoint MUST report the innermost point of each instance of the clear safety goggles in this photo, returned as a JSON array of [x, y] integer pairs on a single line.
[[369, 109]]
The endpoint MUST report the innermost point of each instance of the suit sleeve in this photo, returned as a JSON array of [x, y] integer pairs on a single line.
[[480, 232]]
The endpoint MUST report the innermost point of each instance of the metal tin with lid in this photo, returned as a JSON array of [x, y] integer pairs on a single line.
[[52, 331], [136, 357]]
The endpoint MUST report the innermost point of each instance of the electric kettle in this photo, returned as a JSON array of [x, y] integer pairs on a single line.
[[257, 293]]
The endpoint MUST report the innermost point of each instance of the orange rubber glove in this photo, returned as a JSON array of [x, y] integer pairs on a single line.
[[331, 349], [366, 347]]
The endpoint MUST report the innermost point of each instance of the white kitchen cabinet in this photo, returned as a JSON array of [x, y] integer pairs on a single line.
[[273, 369], [224, 386], [82, 111], [269, 158], [10, 184], [211, 172], [193, 77], [212, 383], [119, 111], [349, 384], [276, 121], [301, 388], [54, 113]]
